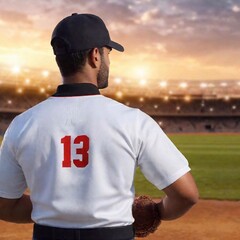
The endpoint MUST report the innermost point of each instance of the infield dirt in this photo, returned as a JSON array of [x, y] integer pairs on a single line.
[[208, 220]]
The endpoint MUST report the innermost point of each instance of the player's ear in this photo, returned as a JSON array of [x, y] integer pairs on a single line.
[[94, 58]]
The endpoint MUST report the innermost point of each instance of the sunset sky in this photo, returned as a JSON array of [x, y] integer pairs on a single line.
[[178, 39]]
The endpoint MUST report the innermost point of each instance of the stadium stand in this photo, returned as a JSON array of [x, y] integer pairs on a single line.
[[177, 106]]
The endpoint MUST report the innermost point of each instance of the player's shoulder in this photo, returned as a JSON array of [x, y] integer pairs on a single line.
[[29, 113], [123, 111], [113, 104], [26, 118]]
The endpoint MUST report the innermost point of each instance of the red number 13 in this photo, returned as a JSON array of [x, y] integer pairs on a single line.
[[83, 151]]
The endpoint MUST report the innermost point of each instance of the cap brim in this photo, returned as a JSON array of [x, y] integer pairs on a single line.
[[116, 46]]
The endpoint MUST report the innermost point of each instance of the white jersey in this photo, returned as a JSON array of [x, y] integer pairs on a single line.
[[78, 156]]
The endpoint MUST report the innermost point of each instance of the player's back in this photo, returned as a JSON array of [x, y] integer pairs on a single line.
[[78, 155]]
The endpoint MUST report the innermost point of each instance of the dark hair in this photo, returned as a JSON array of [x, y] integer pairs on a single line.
[[71, 63]]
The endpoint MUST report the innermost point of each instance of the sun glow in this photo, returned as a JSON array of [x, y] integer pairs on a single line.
[[140, 72]]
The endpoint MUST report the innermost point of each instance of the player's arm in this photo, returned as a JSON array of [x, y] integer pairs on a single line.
[[16, 210], [180, 197]]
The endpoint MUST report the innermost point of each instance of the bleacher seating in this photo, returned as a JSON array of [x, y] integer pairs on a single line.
[[174, 114]]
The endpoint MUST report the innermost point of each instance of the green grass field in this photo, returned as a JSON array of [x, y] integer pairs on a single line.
[[215, 163]]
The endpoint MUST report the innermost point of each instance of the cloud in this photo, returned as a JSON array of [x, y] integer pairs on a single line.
[[15, 18], [194, 28], [204, 30]]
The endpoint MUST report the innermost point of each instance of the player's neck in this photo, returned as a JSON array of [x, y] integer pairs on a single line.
[[80, 77]]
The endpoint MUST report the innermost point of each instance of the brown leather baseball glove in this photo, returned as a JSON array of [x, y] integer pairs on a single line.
[[146, 215]]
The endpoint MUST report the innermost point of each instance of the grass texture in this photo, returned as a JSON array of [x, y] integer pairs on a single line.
[[215, 163]]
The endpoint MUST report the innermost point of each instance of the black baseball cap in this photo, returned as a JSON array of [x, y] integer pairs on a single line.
[[80, 32]]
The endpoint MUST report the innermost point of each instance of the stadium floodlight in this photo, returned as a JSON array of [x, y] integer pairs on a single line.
[[119, 94], [166, 98], [118, 80], [27, 81], [226, 98], [141, 99], [203, 85], [183, 85], [163, 84], [9, 102], [187, 98], [42, 90], [19, 90], [234, 107], [45, 73], [178, 108], [223, 84], [155, 106]]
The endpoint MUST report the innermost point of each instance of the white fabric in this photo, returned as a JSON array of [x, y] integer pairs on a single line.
[[100, 194]]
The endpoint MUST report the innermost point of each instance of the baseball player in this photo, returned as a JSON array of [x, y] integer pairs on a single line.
[[77, 151]]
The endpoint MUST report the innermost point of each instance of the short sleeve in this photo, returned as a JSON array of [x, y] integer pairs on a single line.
[[12, 180], [158, 158]]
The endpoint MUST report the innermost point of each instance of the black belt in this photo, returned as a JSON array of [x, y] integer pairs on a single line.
[[41, 232]]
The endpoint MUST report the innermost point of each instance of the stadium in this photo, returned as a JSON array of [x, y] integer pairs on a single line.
[[179, 106], [201, 117]]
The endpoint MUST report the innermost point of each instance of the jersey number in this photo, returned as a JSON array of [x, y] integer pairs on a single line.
[[82, 151]]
